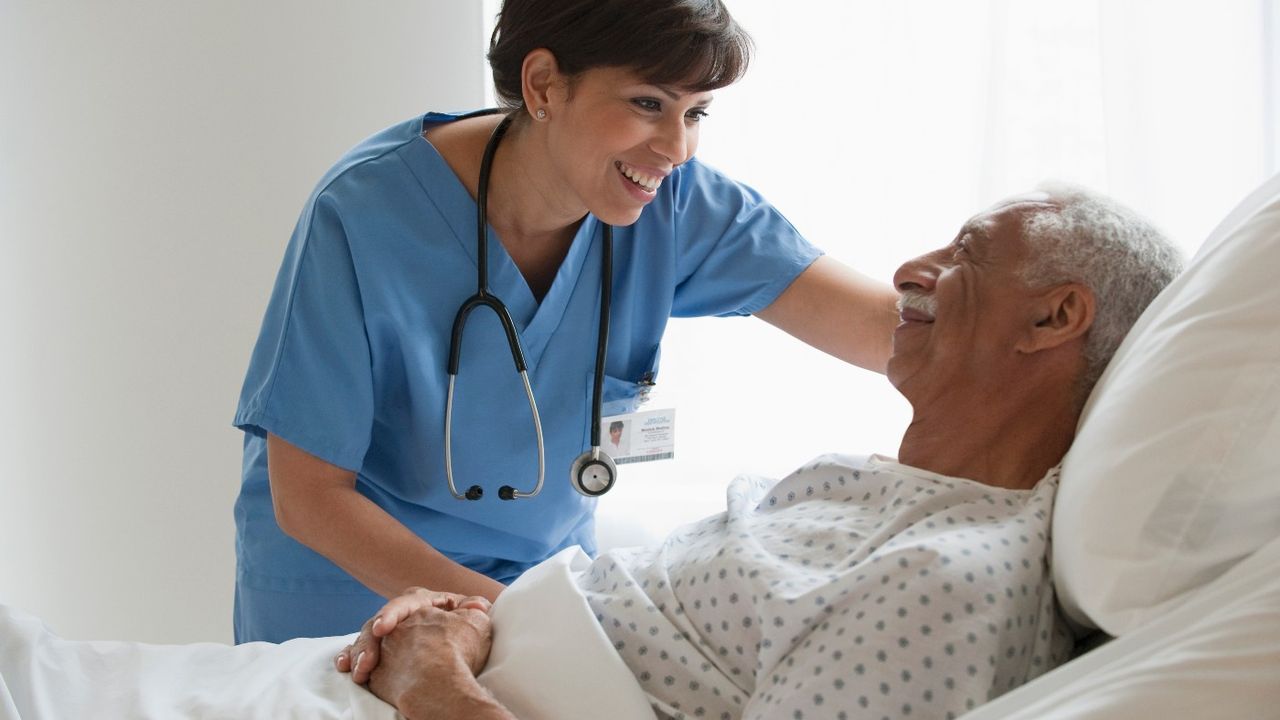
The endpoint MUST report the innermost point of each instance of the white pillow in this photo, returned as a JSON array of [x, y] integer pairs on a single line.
[[1175, 472]]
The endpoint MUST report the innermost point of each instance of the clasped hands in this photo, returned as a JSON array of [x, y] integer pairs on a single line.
[[419, 644]]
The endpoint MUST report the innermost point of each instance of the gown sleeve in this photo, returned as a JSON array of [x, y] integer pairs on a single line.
[[735, 252], [310, 377]]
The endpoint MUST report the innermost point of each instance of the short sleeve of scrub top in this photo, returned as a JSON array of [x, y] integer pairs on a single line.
[[350, 364], [313, 336], [738, 253]]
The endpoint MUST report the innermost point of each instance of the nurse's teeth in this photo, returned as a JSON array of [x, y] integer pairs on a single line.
[[647, 182]]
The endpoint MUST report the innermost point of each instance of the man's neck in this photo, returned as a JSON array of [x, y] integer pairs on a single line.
[[1009, 441]]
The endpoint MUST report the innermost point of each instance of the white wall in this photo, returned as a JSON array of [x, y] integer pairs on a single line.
[[1271, 47], [153, 158]]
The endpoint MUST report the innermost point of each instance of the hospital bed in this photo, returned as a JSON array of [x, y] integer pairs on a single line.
[[1166, 556]]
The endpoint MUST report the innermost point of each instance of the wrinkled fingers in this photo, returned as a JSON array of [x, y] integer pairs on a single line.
[[414, 598], [361, 656]]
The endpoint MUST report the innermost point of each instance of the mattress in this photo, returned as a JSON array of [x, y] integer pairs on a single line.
[[1216, 656]]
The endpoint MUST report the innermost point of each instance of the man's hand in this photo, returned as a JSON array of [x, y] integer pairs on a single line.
[[428, 665], [362, 656]]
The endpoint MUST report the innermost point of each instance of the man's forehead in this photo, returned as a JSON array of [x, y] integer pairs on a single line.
[[983, 223]]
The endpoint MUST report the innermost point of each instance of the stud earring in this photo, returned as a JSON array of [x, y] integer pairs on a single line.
[[541, 113]]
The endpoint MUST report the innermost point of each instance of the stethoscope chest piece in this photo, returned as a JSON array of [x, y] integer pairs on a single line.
[[593, 473]]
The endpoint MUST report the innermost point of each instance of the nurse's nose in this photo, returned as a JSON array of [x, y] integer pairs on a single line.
[[673, 140]]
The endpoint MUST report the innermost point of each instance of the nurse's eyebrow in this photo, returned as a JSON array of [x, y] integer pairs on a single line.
[[676, 93], [669, 91]]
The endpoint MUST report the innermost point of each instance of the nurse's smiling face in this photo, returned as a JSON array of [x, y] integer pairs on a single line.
[[613, 139], [966, 310]]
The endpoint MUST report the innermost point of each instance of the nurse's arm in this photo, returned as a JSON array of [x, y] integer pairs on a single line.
[[840, 311], [317, 504]]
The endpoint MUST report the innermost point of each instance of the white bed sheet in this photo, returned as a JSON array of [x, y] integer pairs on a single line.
[[44, 676], [549, 660], [1217, 656]]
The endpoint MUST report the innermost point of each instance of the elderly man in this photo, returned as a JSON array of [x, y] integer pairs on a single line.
[[866, 586]]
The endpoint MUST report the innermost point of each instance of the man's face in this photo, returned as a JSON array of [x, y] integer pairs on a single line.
[[965, 307]]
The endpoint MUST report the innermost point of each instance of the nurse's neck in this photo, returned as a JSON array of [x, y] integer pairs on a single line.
[[533, 212]]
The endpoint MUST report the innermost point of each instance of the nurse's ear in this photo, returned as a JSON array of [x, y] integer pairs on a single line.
[[543, 85]]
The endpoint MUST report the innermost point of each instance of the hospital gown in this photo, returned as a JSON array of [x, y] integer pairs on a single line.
[[853, 588]]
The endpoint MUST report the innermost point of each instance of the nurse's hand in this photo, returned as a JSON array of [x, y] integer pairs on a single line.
[[362, 656]]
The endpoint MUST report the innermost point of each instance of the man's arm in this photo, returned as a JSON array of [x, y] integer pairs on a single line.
[[428, 666], [839, 311], [451, 693]]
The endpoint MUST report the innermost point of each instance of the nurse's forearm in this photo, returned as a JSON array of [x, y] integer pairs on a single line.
[[378, 550], [839, 311], [317, 504]]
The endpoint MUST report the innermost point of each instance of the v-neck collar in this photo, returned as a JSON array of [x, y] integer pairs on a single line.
[[535, 322]]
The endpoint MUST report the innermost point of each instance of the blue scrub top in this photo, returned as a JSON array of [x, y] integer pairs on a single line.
[[350, 364]]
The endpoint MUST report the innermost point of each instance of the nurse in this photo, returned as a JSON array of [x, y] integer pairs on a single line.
[[344, 500]]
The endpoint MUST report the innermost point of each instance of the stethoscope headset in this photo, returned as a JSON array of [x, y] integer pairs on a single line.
[[593, 472]]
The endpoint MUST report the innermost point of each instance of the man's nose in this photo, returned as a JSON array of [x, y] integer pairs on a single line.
[[918, 274]]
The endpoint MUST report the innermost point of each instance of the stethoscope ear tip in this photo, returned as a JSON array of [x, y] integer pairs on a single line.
[[475, 492], [506, 492]]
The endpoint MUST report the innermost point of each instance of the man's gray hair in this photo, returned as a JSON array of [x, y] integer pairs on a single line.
[[1122, 258]]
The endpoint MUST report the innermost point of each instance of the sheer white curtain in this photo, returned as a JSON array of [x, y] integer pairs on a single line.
[[879, 127]]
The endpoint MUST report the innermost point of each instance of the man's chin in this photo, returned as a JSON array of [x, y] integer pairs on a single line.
[[896, 371]]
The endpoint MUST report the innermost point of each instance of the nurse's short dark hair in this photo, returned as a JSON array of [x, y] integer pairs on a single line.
[[694, 45]]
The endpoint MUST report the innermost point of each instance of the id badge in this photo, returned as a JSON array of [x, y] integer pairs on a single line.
[[639, 436]]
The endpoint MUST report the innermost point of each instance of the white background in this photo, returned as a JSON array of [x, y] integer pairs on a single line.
[[154, 156]]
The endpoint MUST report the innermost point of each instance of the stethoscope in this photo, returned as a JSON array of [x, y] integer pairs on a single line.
[[593, 472]]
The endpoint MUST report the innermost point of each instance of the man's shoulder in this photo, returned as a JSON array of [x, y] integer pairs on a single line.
[[836, 462]]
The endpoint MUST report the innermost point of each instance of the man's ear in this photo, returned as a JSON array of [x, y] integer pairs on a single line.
[[1061, 314], [539, 78]]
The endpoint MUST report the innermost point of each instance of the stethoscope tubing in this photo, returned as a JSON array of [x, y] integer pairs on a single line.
[[606, 302], [483, 298]]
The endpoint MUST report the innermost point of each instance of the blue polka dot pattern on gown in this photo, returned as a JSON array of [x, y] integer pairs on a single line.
[[854, 588]]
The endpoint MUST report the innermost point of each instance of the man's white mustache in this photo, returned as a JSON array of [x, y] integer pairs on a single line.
[[918, 301]]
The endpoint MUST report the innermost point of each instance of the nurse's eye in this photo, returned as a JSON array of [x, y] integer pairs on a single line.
[[649, 104], [697, 116]]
